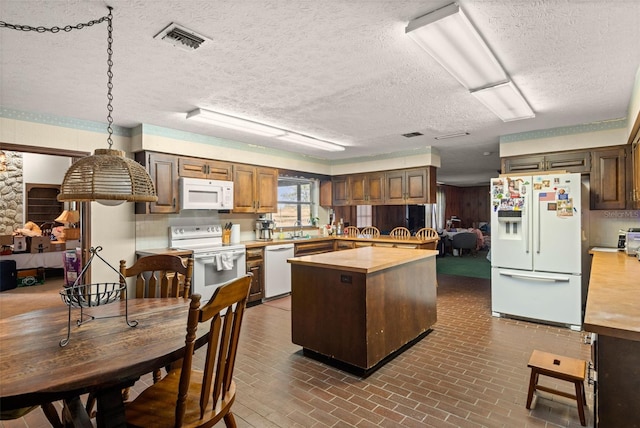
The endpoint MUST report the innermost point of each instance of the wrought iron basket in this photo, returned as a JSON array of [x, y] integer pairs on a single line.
[[89, 295], [81, 296]]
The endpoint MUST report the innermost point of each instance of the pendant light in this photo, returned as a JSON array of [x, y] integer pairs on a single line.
[[107, 176]]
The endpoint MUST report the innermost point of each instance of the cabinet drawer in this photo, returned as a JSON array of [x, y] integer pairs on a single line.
[[255, 254], [309, 248]]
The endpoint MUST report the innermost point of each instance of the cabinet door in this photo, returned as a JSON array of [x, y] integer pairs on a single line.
[[395, 193], [579, 161], [340, 189], [326, 192], [163, 170], [244, 189], [266, 190], [256, 267], [416, 186], [358, 189], [607, 179], [204, 168], [523, 164], [375, 188], [192, 167]]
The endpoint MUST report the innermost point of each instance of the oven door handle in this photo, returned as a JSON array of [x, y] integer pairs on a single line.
[[236, 255]]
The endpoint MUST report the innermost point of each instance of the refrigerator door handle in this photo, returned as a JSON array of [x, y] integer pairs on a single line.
[[557, 278], [525, 225], [539, 229]]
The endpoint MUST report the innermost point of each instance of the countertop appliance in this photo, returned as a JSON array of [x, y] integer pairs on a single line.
[[264, 229], [202, 194], [536, 248], [632, 241], [214, 263], [277, 272], [622, 239]]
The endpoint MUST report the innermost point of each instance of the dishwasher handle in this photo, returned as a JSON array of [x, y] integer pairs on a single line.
[[274, 248]]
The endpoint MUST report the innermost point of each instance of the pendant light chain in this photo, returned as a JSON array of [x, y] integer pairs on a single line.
[[107, 176], [109, 75], [68, 28]]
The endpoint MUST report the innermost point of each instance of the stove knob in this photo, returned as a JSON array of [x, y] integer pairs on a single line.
[[179, 231]]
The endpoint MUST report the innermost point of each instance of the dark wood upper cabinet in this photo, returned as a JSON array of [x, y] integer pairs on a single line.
[[163, 169], [204, 168], [255, 189], [570, 161], [340, 190], [608, 179]]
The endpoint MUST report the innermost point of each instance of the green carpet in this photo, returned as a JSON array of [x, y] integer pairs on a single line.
[[476, 267]]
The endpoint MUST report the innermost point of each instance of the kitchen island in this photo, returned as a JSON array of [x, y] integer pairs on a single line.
[[356, 309]]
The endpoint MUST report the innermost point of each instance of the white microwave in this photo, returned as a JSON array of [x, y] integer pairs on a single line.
[[203, 194]]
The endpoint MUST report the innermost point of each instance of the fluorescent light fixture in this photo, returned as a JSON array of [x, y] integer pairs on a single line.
[[311, 142], [450, 38], [231, 122], [235, 123], [457, 134], [505, 101]]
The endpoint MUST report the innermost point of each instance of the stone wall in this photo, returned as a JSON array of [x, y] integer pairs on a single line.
[[11, 193]]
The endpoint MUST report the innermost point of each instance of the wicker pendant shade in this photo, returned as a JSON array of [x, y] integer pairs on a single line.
[[108, 176]]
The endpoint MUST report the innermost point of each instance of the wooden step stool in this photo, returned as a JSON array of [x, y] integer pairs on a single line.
[[559, 367]]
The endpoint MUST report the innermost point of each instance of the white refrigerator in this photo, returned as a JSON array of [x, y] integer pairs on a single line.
[[536, 260]]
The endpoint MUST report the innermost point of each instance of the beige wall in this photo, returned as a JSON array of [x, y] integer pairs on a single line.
[[113, 228]]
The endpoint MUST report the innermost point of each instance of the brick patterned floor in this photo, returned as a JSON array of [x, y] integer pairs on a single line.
[[471, 371]]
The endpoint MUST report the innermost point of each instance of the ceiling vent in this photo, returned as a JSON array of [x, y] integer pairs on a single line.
[[181, 37], [412, 134]]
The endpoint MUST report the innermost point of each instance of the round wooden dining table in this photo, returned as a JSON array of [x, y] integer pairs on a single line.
[[102, 356]]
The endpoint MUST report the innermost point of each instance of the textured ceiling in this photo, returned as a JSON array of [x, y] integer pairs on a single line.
[[340, 70]]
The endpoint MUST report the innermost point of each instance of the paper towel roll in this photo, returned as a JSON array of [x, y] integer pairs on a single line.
[[235, 234]]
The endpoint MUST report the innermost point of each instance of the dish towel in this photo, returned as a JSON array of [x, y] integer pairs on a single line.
[[226, 260], [218, 261]]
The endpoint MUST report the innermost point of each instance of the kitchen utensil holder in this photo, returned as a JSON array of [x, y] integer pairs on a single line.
[[81, 296]]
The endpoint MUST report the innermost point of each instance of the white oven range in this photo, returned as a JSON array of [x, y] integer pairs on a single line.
[[214, 263]]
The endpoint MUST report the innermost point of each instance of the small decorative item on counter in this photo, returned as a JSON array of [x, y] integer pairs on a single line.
[[72, 265]]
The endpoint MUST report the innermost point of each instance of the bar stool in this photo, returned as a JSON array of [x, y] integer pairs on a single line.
[[558, 367]]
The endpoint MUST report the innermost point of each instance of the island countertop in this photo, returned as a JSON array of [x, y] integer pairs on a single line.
[[364, 260], [613, 300]]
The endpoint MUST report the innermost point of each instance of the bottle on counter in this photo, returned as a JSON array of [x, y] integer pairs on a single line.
[[340, 227]]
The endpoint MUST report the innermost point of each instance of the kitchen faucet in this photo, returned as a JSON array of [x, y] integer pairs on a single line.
[[299, 232]]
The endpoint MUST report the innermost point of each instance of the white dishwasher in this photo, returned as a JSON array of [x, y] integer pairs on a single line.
[[277, 272]]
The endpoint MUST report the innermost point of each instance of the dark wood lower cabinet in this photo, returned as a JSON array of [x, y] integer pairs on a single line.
[[617, 362], [255, 266]]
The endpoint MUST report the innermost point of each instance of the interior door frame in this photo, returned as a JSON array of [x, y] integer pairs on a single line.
[[84, 207]]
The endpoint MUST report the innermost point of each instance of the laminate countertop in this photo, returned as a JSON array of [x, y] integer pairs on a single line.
[[613, 300], [383, 239], [365, 259]]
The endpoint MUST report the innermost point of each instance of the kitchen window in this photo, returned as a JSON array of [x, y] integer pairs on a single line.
[[297, 202]]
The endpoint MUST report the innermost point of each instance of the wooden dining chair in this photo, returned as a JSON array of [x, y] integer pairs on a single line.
[[370, 232], [157, 275], [429, 233], [400, 232], [194, 398], [351, 231]]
